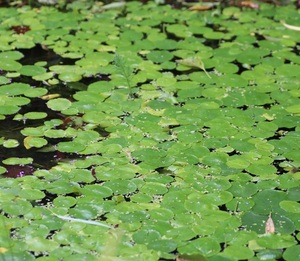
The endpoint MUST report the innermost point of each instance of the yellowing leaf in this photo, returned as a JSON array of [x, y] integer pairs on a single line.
[[26, 142], [201, 7], [268, 116], [270, 227], [194, 61], [154, 112], [50, 96], [3, 250]]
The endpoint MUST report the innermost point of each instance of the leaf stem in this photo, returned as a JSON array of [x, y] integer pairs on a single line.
[[89, 222]]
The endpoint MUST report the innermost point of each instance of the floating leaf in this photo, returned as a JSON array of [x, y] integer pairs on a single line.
[[17, 207], [292, 253], [290, 206], [35, 115], [294, 109], [32, 70], [70, 147], [14, 89], [17, 161], [10, 143], [239, 252], [59, 104], [70, 76], [36, 142], [202, 246], [273, 241]]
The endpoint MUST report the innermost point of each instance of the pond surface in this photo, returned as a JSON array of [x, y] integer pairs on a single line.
[[149, 133]]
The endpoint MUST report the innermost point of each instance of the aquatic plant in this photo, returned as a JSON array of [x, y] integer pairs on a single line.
[[202, 164], [125, 71]]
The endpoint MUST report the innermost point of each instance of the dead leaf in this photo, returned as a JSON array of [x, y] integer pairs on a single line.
[[270, 227], [249, 4], [194, 61], [201, 7]]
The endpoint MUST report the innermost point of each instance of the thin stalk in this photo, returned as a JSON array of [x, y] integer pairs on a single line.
[[125, 71], [89, 222]]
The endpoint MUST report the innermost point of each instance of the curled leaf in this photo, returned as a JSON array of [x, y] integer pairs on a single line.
[[270, 227], [194, 61], [26, 142], [50, 96]]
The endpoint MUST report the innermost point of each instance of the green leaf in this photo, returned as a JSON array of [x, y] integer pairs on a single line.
[[237, 163], [159, 56], [19, 207], [40, 244], [14, 89], [70, 76], [70, 147], [35, 115], [32, 70], [17, 161], [36, 142], [273, 241], [292, 253], [31, 194], [267, 201], [10, 143], [290, 206], [121, 186], [238, 252], [204, 246], [163, 245], [59, 104], [294, 109]]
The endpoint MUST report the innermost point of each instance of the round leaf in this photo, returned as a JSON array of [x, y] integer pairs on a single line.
[[70, 147], [59, 104]]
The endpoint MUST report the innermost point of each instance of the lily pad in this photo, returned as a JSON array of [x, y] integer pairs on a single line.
[[32, 70], [205, 246], [70, 147], [10, 143], [17, 161], [290, 206], [36, 142], [59, 104]]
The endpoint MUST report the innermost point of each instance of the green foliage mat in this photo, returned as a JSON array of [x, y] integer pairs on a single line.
[[175, 134]]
